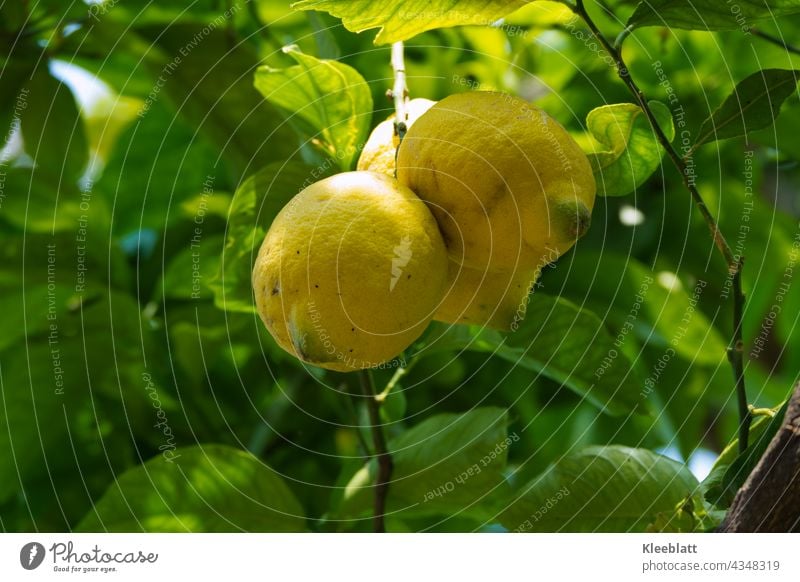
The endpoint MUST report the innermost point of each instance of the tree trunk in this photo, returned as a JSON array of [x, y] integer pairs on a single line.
[[769, 501]]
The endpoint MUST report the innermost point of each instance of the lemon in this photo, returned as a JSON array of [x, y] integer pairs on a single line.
[[379, 151], [350, 272], [506, 183], [495, 299]]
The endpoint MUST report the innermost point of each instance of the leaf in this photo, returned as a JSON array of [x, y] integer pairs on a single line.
[[636, 302], [709, 14], [571, 346], [329, 101], [600, 489], [255, 204], [754, 104], [629, 151], [447, 464], [403, 19], [211, 89], [205, 488], [53, 129]]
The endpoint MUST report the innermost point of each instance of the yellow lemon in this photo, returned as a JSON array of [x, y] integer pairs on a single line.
[[495, 299], [350, 272], [379, 151], [506, 183]]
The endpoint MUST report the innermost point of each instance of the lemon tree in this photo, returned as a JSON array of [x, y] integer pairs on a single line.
[[355, 266]]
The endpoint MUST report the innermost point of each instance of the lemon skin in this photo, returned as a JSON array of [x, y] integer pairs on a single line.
[[350, 272]]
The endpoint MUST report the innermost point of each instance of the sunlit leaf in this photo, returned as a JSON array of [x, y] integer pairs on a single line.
[[328, 100], [629, 151], [403, 19]]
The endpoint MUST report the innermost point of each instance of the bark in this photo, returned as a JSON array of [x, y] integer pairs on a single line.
[[769, 501]]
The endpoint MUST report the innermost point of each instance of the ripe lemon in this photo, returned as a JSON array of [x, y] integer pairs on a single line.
[[350, 272], [495, 299], [379, 152], [506, 183]]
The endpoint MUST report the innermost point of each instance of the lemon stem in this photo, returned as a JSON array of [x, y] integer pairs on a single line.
[[381, 452], [734, 263], [399, 90]]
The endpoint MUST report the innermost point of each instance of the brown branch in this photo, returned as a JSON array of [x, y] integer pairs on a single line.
[[734, 264], [382, 455], [769, 501]]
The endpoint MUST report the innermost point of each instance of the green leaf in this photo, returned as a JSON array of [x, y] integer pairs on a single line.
[[600, 489], [206, 488], [709, 14], [447, 464], [629, 151], [212, 90], [255, 204], [571, 346], [642, 302], [329, 102], [754, 104], [403, 19], [53, 129]]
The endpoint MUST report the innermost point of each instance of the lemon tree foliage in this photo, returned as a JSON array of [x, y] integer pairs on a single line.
[[525, 280], [709, 14], [600, 489], [198, 489], [448, 464], [336, 99], [407, 18], [754, 104], [628, 152]]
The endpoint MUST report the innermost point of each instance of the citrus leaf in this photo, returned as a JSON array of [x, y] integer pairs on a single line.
[[329, 102], [709, 14], [569, 345], [446, 464], [255, 204], [754, 104], [641, 304], [205, 488], [403, 19], [600, 489], [629, 151]]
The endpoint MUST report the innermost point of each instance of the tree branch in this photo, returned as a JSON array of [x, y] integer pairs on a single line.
[[382, 455], [734, 264], [769, 501], [775, 40]]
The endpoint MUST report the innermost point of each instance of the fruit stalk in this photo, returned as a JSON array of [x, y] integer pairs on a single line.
[[735, 350], [381, 452], [399, 90]]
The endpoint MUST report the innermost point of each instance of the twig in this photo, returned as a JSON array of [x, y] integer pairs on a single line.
[[398, 375], [775, 40], [769, 501], [399, 91], [734, 264], [381, 452]]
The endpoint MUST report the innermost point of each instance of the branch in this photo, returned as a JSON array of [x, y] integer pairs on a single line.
[[399, 92], [734, 264], [381, 452], [769, 501], [775, 40]]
